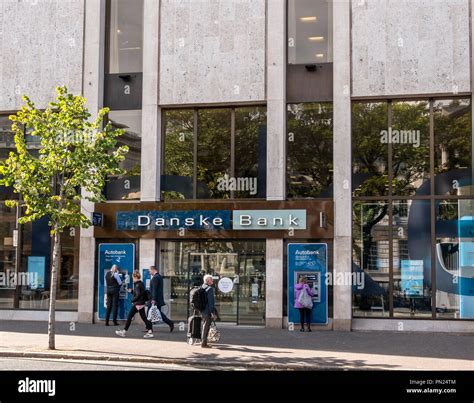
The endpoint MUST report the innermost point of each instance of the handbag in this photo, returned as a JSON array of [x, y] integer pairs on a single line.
[[154, 315], [305, 300], [214, 334]]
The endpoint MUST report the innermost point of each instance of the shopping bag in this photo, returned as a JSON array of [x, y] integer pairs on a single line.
[[154, 315]]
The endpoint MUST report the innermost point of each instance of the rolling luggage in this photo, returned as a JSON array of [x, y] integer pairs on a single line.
[[194, 329]]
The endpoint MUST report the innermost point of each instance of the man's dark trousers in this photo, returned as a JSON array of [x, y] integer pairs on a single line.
[[112, 303]]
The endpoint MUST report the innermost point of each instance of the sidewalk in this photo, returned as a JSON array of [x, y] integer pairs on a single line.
[[246, 347]]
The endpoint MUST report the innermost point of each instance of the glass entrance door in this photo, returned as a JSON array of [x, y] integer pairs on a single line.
[[238, 269]]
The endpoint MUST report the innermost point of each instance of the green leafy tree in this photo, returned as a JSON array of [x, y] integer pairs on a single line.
[[75, 153]]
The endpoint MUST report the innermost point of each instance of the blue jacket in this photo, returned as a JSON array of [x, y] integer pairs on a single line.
[[156, 290], [211, 304]]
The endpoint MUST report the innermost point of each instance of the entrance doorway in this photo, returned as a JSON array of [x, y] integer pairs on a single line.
[[238, 269]]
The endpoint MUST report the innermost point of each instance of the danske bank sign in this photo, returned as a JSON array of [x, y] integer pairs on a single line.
[[211, 220]]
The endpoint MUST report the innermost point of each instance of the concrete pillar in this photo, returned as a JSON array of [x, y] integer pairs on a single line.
[[93, 90], [276, 152], [147, 253], [151, 112], [342, 163], [274, 283]]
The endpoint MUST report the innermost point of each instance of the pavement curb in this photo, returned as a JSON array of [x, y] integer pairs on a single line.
[[176, 361]]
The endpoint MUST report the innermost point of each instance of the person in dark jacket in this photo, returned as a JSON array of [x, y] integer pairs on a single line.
[[208, 313], [140, 297], [156, 291], [112, 289]]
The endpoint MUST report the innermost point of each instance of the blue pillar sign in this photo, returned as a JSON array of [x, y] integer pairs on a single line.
[[123, 255], [308, 260]]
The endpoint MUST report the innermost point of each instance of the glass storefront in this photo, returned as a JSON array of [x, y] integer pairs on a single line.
[[412, 213], [184, 263]]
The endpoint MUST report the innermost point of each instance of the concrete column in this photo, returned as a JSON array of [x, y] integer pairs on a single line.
[[147, 253], [151, 112], [276, 100], [276, 152], [342, 163], [274, 283], [92, 89]]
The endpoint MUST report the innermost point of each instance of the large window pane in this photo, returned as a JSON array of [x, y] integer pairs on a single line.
[[127, 187], [309, 31], [371, 258], [250, 151], [177, 179], [455, 259], [369, 152], [7, 257], [213, 155], [453, 147], [411, 258], [310, 150], [125, 47], [410, 139]]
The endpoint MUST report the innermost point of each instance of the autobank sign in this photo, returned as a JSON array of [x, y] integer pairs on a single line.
[[211, 220]]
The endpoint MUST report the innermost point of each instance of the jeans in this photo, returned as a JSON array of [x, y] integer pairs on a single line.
[[305, 313], [112, 302], [132, 313]]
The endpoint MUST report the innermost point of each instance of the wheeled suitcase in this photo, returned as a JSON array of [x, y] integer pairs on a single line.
[[194, 329]]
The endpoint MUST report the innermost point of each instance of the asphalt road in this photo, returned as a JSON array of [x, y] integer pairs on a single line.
[[28, 364]]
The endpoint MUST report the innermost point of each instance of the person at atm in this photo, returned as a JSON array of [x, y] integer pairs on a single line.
[[304, 302], [113, 282]]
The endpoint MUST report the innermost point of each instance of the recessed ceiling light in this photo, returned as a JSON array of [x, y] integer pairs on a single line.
[[316, 38], [308, 19]]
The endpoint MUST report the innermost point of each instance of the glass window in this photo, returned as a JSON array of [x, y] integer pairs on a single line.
[[213, 153], [410, 140], [369, 152], [178, 165], [453, 147], [125, 36], [7, 257], [411, 258], [310, 150], [371, 258], [309, 31], [222, 157], [127, 187]]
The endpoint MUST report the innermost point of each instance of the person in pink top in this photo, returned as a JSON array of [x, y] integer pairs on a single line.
[[305, 311]]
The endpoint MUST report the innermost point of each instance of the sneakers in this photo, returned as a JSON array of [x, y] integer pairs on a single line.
[[149, 335], [121, 333]]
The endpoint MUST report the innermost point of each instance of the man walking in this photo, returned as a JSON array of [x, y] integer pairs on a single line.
[[208, 312], [156, 291], [112, 284]]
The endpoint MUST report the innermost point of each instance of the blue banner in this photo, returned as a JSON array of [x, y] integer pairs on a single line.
[[123, 255], [412, 278], [173, 220], [308, 260]]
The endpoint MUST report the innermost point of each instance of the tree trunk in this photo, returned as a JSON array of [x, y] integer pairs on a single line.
[[53, 288]]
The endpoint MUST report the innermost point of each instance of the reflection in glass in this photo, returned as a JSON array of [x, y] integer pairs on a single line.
[[369, 152], [250, 151], [371, 258], [127, 187], [177, 182], [453, 147], [7, 256], [411, 258], [309, 31], [125, 34], [410, 139], [185, 264], [214, 149], [310, 150]]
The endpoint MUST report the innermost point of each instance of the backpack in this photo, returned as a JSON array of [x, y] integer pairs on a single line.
[[198, 298]]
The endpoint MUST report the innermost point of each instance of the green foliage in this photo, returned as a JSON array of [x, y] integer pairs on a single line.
[[75, 153]]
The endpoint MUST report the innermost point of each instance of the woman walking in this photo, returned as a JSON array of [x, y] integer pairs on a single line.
[[140, 297], [304, 302]]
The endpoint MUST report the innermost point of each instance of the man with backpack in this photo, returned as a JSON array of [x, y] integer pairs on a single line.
[[203, 300], [156, 292]]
